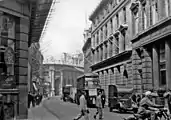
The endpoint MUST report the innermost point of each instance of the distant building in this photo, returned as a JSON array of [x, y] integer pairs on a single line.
[[87, 51], [73, 59], [57, 73]]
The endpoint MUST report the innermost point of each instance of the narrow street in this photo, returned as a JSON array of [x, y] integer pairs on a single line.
[[55, 109]]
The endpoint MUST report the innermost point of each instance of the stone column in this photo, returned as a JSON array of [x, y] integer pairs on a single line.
[[168, 63], [156, 73], [21, 69]]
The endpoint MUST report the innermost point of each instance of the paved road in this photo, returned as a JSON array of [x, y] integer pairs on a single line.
[[67, 111], [40, 113]]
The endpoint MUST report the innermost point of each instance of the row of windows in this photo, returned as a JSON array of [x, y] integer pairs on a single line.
[[149, 14], [105, 31]]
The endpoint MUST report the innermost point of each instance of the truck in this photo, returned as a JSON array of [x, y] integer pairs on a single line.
[[91, 84]]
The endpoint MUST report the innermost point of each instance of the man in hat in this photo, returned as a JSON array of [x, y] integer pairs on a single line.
[[147, 107], [99, 106], [83, 107], [168, 96]]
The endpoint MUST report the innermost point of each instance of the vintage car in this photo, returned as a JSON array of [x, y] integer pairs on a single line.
[[120, 99]]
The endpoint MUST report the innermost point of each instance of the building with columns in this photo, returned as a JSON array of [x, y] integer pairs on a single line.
[[151, 34], [111, 43], [87, 51], [59, 75], [131, 45]]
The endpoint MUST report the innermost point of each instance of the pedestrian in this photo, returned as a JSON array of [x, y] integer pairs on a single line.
[[30, 99], [103, 99], [167, 95], [83, 107], [99, 106]]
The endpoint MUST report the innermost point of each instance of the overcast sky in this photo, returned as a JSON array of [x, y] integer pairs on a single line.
[[65, 31]]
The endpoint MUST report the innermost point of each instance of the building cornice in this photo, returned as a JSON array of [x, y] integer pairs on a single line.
[[112, 60], [98, 8], [153, 33]]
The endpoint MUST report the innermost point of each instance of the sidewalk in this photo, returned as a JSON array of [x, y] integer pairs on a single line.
[[40, 113]]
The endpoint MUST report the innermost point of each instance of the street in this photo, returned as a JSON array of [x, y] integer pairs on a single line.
[[55, 109]]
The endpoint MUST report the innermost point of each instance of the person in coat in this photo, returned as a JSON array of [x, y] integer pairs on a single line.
[[83, 107]]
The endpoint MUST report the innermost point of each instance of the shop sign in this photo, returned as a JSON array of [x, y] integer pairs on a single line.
[[9, 56]]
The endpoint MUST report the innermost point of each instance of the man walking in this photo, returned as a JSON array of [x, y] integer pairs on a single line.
[[168, 96], [103, 99], [83, 107], [99, 106]]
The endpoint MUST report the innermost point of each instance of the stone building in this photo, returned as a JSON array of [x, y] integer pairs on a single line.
[[14, 24], [16, 17], [151, 54], [111, 43], [87, 51], [130, 43], [60, 75]]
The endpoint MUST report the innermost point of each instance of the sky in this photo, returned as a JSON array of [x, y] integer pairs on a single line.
[[65, 30]]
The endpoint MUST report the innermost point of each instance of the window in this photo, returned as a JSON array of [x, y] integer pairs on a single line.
[[97, 38], [117, 20], [136, 23], [106, 31], [124, 14], [101, 57], [144, 18], [117, 45], [94, 41], [111, 49], [111, 23], [106, 51], [101, 34], [154, 11], [166, 2], [162, 65], [124, 43], [7, 37], [97, 55]]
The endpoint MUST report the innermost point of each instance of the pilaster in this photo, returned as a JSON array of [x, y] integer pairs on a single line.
[[21, 68], [136, 74], [147, 70], [156, 73]]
